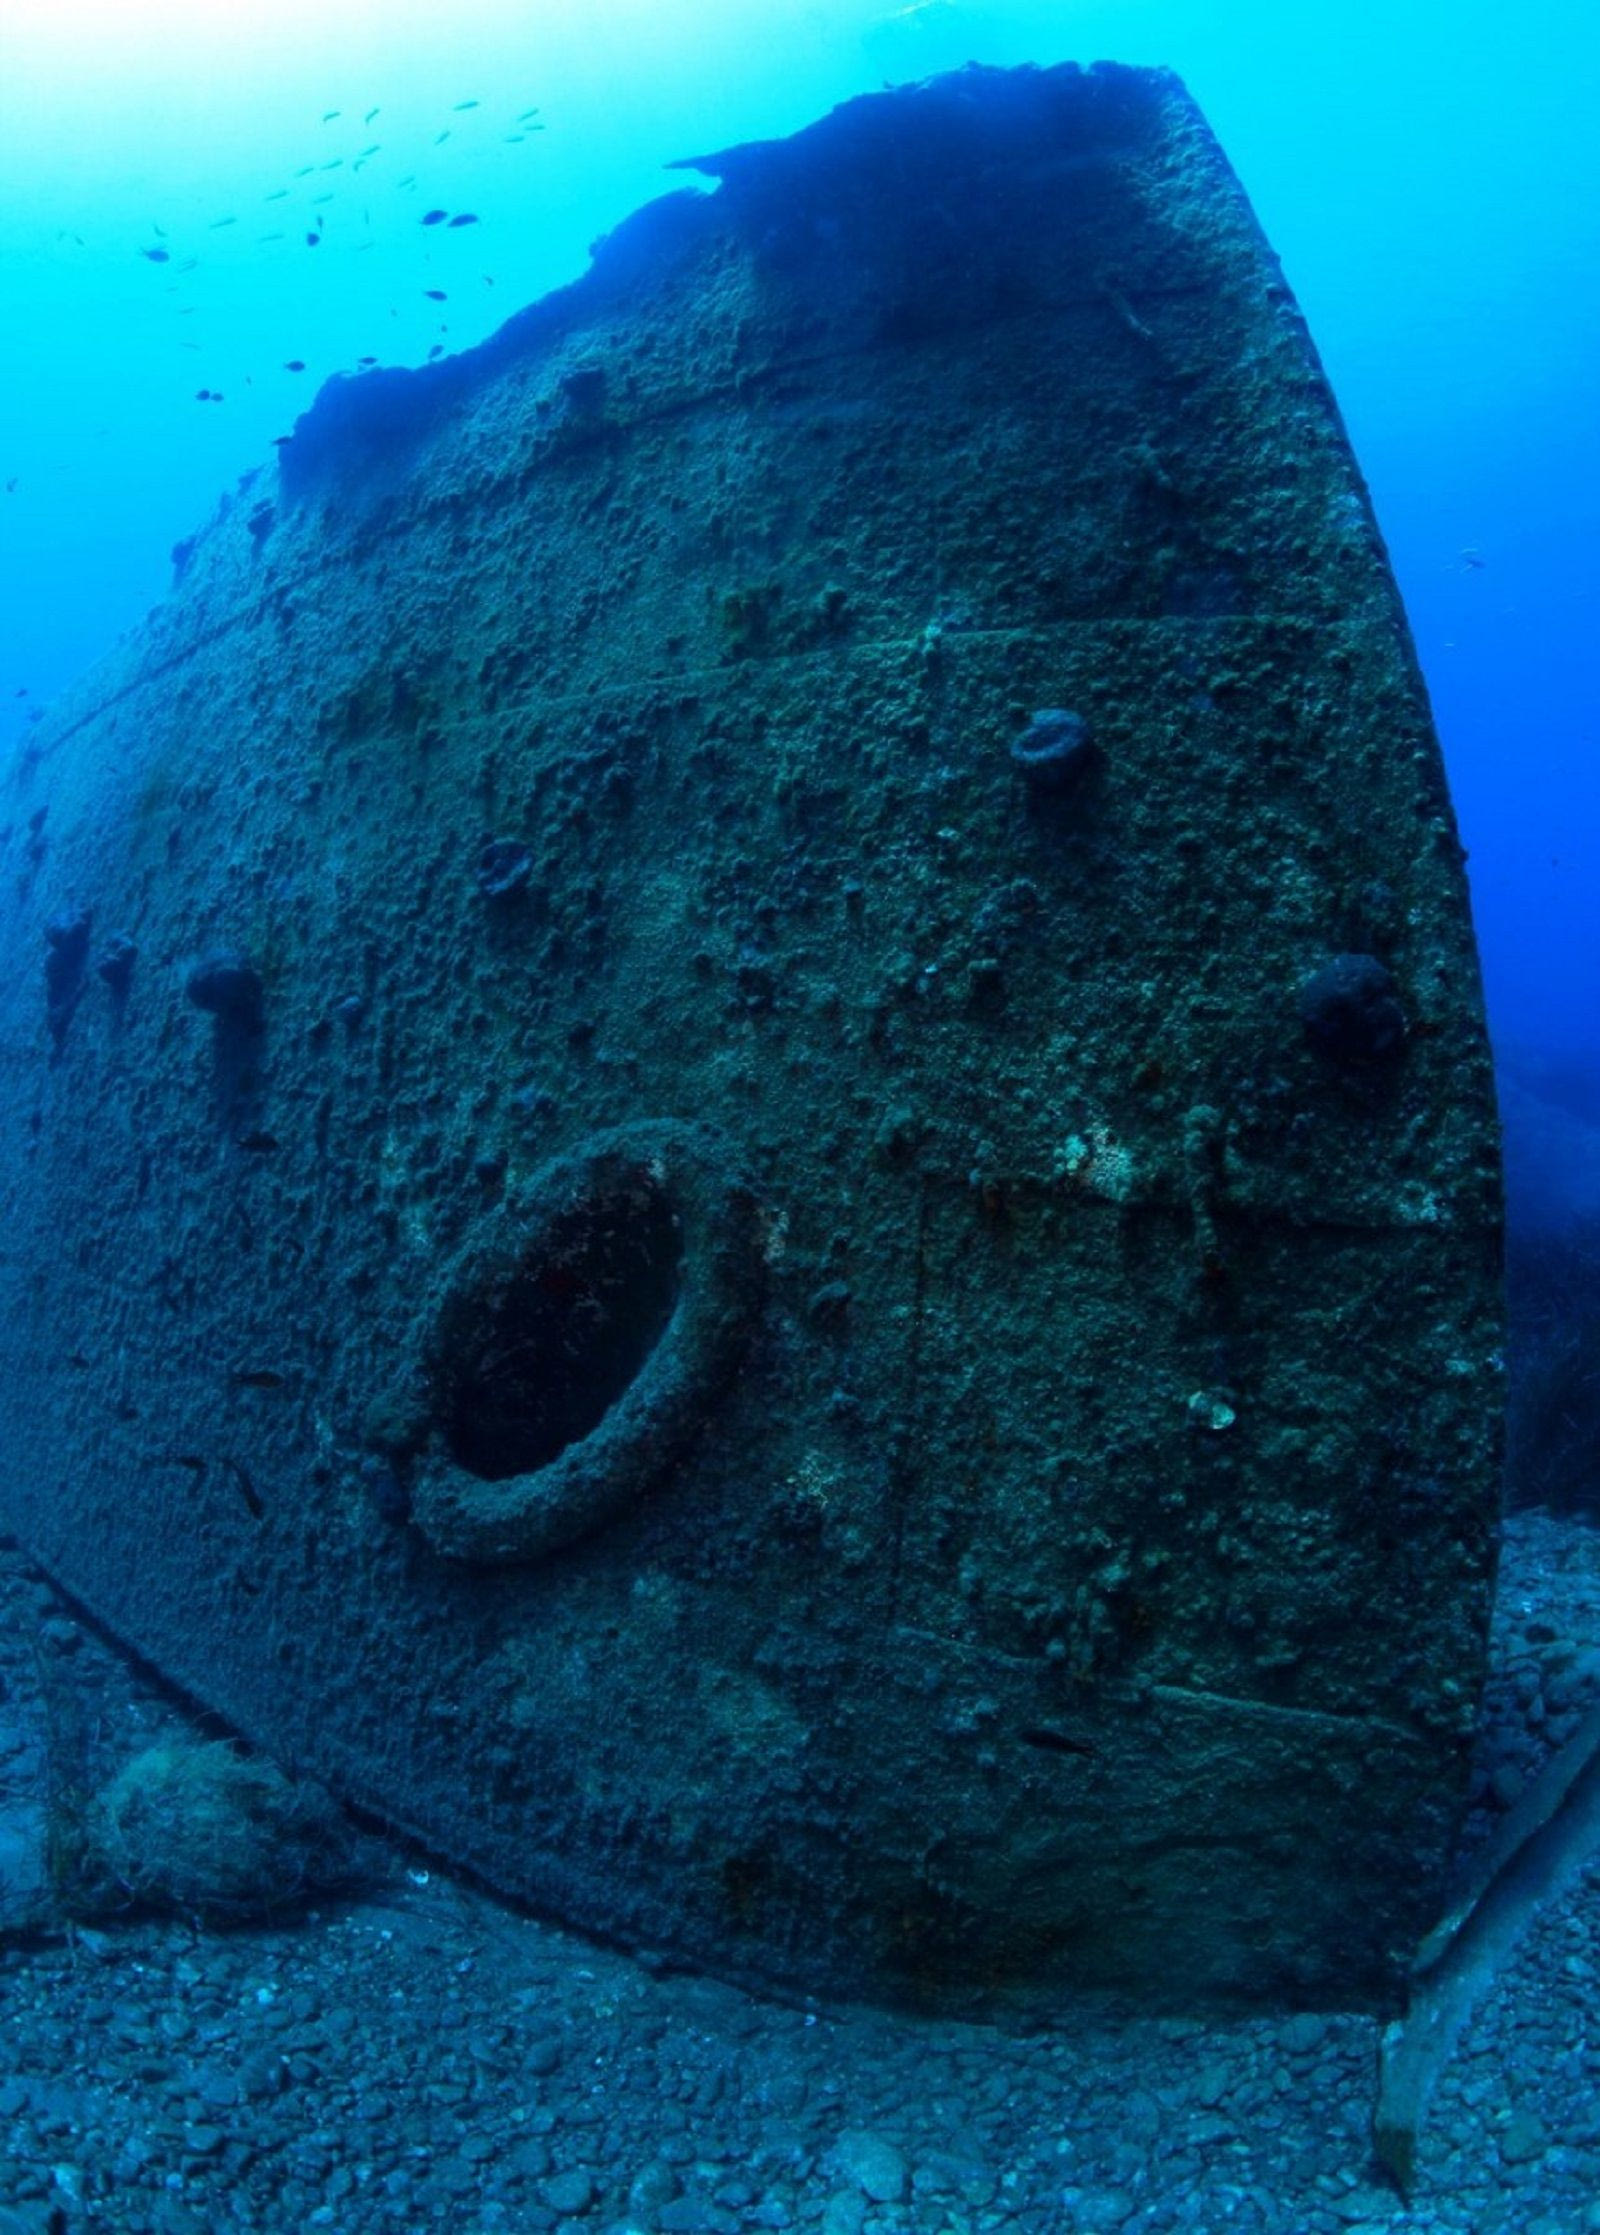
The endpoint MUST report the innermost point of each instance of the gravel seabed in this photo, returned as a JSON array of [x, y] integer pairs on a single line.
[[423, 2057]]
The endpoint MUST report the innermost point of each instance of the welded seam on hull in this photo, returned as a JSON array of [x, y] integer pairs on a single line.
[[688, 678]]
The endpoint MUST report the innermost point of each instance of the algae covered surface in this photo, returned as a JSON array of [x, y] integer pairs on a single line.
[[833, 849]]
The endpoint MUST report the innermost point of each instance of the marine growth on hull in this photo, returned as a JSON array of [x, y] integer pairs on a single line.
[[757, 1023]]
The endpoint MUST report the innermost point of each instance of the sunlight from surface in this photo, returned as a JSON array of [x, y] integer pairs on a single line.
[[209, 207]]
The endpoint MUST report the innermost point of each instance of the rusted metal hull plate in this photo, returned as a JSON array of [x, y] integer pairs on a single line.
[[789, 1227]]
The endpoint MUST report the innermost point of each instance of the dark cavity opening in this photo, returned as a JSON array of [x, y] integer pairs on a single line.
[[568, 1332]]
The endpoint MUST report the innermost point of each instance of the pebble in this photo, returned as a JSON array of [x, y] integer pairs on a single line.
[[569, 2193], [425, 2058], [1523, 2138], [696, 2215], [652, 2187], [874, 2165]]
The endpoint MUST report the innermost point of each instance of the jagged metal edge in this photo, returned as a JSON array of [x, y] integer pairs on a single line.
[[1549, 1835]]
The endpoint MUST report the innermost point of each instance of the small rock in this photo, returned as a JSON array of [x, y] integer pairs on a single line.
[[1523, 2138], [1206, 2127], [569, 2193], [1098, 2211], [695, 2215], [876, 2166], [1212, 2084], [654, 2185], [1361, 2205]]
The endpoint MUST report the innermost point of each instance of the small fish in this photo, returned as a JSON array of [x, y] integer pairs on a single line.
[[375, 149], [436, 351], [328, 115], [217, 223], [515, 139], [333, 166], [294, 364], [460, 105], [439, 138], [278, 194], [187, 265], [366, 360], [313, 240], [371, 113], [526, 113], [160, 232], [317, 200], [281, 442], [157, 255], [305, 170], [202, 395], [435, 217], [256, 1377], [410, 179], [435, 294], [467, 217], [264, 237]]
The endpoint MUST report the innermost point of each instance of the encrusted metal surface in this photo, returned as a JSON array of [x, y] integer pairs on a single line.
[[841, 820]]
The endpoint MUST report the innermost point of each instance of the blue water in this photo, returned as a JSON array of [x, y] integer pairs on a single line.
[[1430, 175]]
